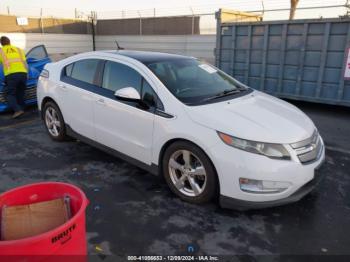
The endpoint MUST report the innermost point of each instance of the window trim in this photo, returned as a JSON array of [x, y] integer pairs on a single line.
[[98, 79], [97, 88], [64, 71]]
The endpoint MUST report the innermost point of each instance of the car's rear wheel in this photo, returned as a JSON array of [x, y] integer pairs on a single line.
[[54, 122], [189, 173]]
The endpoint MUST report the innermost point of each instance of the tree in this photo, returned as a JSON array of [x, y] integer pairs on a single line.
[[293, 7]]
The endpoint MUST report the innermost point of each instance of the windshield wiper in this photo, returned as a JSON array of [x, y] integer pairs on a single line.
[[222, 94]]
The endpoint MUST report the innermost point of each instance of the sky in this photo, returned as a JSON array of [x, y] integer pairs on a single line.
[[110, 8]]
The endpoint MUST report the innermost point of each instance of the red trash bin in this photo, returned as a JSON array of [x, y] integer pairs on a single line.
[[68, 239]]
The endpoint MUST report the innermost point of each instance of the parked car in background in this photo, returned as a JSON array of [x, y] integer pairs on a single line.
[[207, 133], [37, 58]]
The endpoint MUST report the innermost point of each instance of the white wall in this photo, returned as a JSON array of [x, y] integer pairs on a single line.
[[63, 45], [200, 46], [57, 45]]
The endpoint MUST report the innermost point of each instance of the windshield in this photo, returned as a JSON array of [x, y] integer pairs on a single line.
[[193, 82]]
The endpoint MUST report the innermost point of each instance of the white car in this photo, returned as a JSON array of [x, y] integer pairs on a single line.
[[207, 133]]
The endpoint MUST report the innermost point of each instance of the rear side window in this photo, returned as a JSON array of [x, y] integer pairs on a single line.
[[117, 76], [83, 70], [68, 70]]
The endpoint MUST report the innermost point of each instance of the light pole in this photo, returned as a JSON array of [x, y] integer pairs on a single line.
[[93, 21]]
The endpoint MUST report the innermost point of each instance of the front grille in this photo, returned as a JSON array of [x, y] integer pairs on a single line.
[[30, 93], [309, 149]]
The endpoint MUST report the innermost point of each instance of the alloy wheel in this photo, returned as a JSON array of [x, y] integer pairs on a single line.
[[52, 121], [187, 173]]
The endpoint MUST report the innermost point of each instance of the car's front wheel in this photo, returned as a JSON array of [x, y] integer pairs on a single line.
[[54, 122], [189, 172]]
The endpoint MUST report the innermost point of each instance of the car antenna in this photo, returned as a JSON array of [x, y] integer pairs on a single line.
[[118, 46]]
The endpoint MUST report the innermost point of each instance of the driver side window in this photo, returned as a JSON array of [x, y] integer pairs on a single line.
[[148, 95], [38, 53], [117, 76]]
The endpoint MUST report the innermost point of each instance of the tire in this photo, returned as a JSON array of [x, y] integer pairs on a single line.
[[56, 129], [194, 180]]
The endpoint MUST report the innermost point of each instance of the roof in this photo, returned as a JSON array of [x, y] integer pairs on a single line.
[[147, 57]]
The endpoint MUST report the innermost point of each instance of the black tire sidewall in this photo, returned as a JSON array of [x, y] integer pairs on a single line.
[[211, 188], [62, 134]]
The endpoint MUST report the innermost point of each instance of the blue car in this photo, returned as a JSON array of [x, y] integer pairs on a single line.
[[37, 58]]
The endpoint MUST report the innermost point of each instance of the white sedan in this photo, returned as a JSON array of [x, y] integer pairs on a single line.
[[207, 133]]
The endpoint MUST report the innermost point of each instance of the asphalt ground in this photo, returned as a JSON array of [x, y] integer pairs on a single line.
[[132, 212]]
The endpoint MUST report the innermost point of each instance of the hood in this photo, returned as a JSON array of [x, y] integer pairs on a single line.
[[257, 117]]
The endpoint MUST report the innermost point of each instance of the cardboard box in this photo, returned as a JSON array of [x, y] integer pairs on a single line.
[[30, 220]]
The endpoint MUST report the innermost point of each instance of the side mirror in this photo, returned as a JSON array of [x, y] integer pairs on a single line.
[[128, 94]]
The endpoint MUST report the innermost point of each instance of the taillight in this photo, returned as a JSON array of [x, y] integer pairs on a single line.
[[45, 73]]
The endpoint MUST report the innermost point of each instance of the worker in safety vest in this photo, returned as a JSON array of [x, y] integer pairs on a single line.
[[15, 69]]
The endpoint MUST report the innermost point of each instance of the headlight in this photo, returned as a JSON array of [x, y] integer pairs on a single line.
[[277, 151]]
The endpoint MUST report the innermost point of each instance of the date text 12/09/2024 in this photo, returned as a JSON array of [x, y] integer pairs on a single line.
[[173, 258]]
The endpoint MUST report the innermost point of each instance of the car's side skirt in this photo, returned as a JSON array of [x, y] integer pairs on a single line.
[[153, 168]]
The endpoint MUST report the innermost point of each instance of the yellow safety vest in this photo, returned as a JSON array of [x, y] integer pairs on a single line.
[[13, 60]]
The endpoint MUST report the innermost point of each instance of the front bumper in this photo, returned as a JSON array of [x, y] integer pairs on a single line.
[[30, 98], [232, 164], [242, 205]]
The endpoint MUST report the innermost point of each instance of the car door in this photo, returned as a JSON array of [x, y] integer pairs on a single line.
[[37, 58], [126, 127], [76, 95]]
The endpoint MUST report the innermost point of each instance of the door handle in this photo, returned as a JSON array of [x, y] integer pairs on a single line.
[[100, 101]]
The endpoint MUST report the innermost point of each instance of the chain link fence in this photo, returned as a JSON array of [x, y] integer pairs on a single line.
[[268, 9], [39, 12], [200, 18]]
